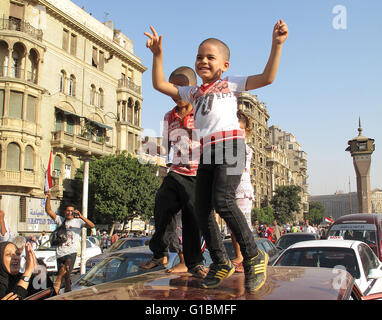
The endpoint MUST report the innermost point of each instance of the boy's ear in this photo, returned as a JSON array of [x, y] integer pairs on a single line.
[[226, 66]]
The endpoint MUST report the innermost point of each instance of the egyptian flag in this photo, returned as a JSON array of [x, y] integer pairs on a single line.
[[48, 175]]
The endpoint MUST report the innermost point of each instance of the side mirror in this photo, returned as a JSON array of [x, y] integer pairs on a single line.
[[375, 274]]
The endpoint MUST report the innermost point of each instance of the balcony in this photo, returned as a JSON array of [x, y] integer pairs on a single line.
[[21, 26], [129, 84], [25, 179], [18, 73], [79, 144]]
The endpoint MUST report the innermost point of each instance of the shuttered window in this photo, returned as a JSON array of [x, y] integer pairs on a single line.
[[1, 103], [16, 11], [29, 159], [31, 108], [65, 40], [16, 105], [13, 157]]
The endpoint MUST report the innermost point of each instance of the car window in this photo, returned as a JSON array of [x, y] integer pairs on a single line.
[[321, 257], [368, 259], [267, 247], [287, 240]]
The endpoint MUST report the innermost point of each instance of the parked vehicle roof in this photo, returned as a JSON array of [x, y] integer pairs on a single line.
[[283, 283]]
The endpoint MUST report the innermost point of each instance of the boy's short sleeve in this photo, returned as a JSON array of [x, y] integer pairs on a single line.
[[237, 83]]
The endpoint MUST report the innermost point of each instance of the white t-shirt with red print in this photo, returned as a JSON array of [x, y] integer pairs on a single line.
[[73, 231], [215, 107]]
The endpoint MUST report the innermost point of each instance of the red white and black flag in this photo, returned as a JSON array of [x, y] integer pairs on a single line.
[[48, 175]]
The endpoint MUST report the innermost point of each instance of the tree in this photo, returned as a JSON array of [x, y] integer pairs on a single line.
[[120, 188], [263, 215], [316, 212], [285, 202]]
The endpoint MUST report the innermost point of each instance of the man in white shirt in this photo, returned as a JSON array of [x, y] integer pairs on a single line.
[[74, 221], [308, 228]]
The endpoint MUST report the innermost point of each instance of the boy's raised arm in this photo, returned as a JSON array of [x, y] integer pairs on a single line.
[[280, 34], [154, 43]]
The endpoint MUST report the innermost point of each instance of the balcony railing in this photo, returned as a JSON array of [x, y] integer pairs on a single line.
[[18, 73], [81, 144], [22, 26], [128, 83]]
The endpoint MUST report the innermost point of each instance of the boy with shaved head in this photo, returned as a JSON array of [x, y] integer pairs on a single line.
[[177, 192], [223, 148]]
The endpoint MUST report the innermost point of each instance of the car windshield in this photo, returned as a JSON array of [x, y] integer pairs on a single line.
[[355, 232], [114, 268], [286, 241], [321, 257], [125, 243]]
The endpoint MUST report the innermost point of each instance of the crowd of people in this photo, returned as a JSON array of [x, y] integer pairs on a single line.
[[274, 232]]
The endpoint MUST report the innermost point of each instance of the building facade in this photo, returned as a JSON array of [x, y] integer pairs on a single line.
[[68, 84], [278, 159]]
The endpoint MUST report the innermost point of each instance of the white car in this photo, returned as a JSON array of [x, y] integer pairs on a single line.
[[354, 256], [48, 255]]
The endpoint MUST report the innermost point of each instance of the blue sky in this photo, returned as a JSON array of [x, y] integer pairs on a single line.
[[327, 78]]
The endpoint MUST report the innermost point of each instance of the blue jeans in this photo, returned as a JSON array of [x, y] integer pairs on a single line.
[[218, 177]]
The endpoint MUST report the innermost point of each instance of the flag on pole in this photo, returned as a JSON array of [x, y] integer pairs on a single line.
[[328, 220], [48, 175]]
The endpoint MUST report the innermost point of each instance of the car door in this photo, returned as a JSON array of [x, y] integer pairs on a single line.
[[369, 261]]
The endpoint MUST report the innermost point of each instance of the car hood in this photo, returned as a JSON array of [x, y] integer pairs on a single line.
[[283, 283]]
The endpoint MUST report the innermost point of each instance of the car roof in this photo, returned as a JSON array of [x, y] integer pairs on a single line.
[[283, 283], [325, 243], [298, 234], [359, 218]]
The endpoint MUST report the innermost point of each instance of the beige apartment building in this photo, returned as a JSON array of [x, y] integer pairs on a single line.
[[277, 158], [69, 84]]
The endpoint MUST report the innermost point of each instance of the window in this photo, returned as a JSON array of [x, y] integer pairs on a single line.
[[57, 166], [1, 103], [130, 146], [100, 98], [16, 105], [72, 86], [130, 111], [73, 44], [23, 209], [59, 121], [69, 125], [13, 157], [93, 94], [31, 108], [68, 168], [62, 81], [368, 258], [95, 57], [65, 40], [101, 60], [29, 159]]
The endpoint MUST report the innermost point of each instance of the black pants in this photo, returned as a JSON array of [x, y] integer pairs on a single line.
[[63, 259], [218, 177], [177, 192]]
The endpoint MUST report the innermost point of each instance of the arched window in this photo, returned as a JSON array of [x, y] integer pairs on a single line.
[[4, 52], [100, 98], [130, 110], [57, 166], [68, 168], [13, 157], [62, 81], [17, 55], [136, 113], [72, 86], [33, 62], [29, 159], [93, 94]]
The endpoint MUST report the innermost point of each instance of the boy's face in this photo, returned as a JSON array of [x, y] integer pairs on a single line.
[[180, 80], [210, 62]]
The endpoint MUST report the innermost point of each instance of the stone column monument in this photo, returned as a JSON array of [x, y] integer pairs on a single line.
[[361, 148]]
